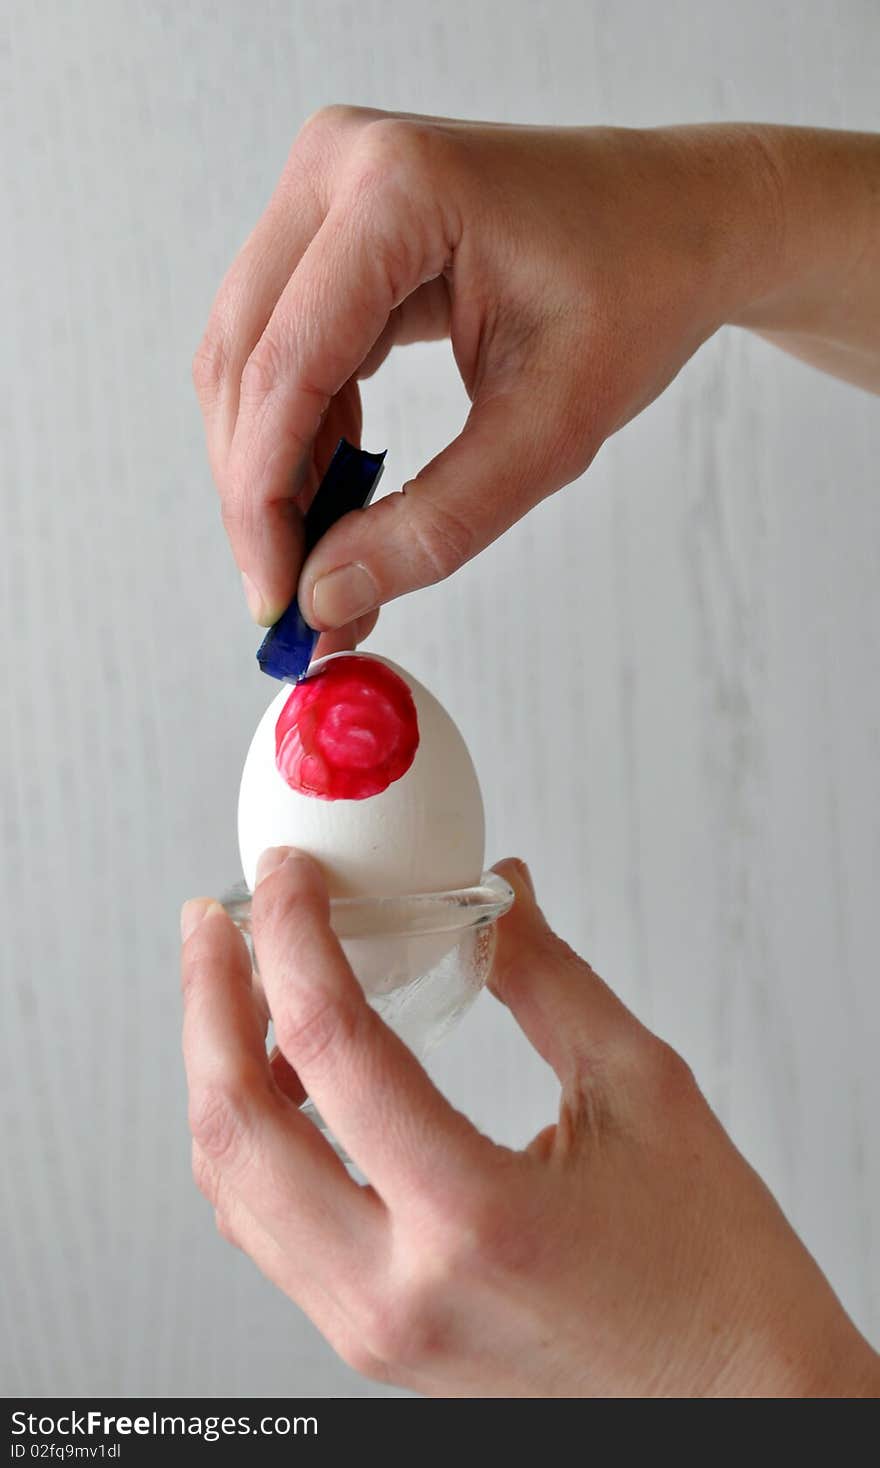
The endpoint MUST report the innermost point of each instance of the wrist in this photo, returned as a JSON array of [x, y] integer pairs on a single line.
[[818, 206], [733, 213], [787, 223]]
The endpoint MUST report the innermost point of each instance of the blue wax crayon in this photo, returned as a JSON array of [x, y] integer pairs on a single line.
[[349, 484]]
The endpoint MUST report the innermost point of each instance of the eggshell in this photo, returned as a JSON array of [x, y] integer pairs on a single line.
[[424, 833]]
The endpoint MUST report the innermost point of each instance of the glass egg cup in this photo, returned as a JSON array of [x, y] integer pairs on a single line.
[[421, 958]]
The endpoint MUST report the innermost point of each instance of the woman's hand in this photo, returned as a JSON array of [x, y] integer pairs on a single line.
[[629, 1250], [575, 271]]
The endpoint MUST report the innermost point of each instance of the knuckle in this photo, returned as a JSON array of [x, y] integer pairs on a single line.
[[262, 370], [407, 1329], [671, 1082], [322, 141], [328, 120], [198, 962], [443, 540], [210, 363], [542, 950], [234, 510], [353, 1351], [394, 178], [225, 1228], [402, 163], [307, 1032], [217, 1120], [191, 969], [393, 147], [279, 907], [204, 1175], [554, 950]]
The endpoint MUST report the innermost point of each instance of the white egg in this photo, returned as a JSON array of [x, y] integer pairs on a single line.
[[423, 833]]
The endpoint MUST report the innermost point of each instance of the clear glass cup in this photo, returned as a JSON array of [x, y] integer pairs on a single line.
[[421, 959]]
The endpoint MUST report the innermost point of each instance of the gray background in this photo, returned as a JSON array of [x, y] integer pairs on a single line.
[[667, 676]]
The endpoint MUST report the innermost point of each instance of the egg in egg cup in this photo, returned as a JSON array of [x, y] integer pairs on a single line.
[[361, 767]]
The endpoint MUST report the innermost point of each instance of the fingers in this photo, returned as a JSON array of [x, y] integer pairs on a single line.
[[465, 498], [343, 639], [257, 277], [263, 1153], [283, 1267], [223, 1026], [570, 1016], [353, 255], [368, 1087], [242, 308], [369, 254], [239, 317], [285, 522]]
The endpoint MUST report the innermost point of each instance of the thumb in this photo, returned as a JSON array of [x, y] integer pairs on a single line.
[[501, 464], [567, 1012]]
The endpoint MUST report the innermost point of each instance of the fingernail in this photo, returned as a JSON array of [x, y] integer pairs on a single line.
[[193, 913], [270, 861], [254, 599], [344, 594], [526, 875]]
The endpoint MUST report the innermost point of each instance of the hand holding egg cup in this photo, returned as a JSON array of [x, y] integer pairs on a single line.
[[362, 768], [627, 1250]]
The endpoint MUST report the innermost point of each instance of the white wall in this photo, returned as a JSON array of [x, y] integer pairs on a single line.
[[684, 741]]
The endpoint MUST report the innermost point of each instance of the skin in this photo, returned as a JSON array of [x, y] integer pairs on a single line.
[[574, 270], [630, 1250]]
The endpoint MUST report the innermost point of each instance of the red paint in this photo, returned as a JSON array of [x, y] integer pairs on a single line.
[[348, 731]]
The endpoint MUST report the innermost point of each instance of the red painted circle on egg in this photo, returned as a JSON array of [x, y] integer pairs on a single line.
[[347, 731]]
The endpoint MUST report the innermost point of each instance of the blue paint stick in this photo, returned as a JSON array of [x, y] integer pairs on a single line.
[[349, 484]]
